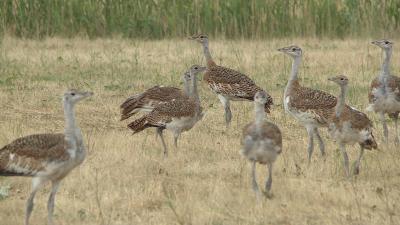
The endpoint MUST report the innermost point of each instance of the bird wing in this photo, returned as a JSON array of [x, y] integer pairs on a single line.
[[358, 119], [28, 155], [232, 83], [393, 84], [319, 103], [149, 99], [269, 132], [164, 113]]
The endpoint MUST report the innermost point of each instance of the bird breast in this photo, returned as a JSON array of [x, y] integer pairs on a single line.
[[386, 103], [346, 134], [181, 124]]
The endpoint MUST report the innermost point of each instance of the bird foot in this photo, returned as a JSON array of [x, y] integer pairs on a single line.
[[396, 141], [268, 194]]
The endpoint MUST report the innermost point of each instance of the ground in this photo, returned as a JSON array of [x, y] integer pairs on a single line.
[[125, 180]]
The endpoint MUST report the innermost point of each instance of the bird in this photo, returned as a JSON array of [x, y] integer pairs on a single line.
[[47, 157], [146, 101], [384, 92], [349, 126], [228, 84], [262, 142], [177, 115], [310, 107]]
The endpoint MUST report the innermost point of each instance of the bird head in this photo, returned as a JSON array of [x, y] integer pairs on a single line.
[[73, 96], [292, 50]]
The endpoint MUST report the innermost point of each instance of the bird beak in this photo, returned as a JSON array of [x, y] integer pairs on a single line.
[[330, 78], [192, 38], [281, 49], [374, 42]]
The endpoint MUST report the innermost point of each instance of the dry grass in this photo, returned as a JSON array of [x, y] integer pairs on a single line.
[[205, 181]]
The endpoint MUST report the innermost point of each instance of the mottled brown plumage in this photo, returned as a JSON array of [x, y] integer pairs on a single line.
[[149, 99], [32, 153], [165, 113], [261, 141], [310, 107], [47, 157], [384, 94], [227, 83], [350, 126], [393, 83], [269, 131], [317, 103], [233, 84], [177, 115]]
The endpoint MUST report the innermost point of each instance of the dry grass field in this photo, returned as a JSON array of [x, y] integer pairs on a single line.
[[125, 180]]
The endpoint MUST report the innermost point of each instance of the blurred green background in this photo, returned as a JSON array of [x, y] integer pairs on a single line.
[[155, 19]]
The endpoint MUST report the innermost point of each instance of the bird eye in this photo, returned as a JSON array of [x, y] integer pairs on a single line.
[[293, 49], [201, 36], [386, 42], [196, 68], [73, 94], [342, 78]]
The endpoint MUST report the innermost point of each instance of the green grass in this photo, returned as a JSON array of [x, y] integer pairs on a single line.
[[177, 18]]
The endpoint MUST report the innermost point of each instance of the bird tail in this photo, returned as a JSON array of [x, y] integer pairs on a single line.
[[139, 124], [370, 143], [128, 106]]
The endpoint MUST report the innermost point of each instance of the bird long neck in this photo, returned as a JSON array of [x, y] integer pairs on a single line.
[[69, 115], [207, 55], [186, 87], [260, 115], [341, 101], [72, 132], [294, 73], [386, 62], [193, 90]]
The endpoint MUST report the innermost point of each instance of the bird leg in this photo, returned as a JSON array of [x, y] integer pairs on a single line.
[[395, 118], [176, 136], [37, 183], [385, 128], [320, 142], [357, 164], [50, 204], [268, 184], [228, 114], [254, 181], [310, 147], [160, 134], [345, 159]]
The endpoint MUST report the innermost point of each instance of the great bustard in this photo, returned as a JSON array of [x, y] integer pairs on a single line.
[[350, 126], [228, 84], [384, 94], [310, 107], [177, 115], [46, 157], [262, 142], [146, 101]]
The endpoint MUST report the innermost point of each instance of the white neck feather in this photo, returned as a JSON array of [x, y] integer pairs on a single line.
[[193, 93], [341, 101], [260, 115], [385, 71], [186, 87], [72, 131], [294, 73], [207, 53]]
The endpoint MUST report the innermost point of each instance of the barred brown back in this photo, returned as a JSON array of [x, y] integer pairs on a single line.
[[149, 98], [233, 84]]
